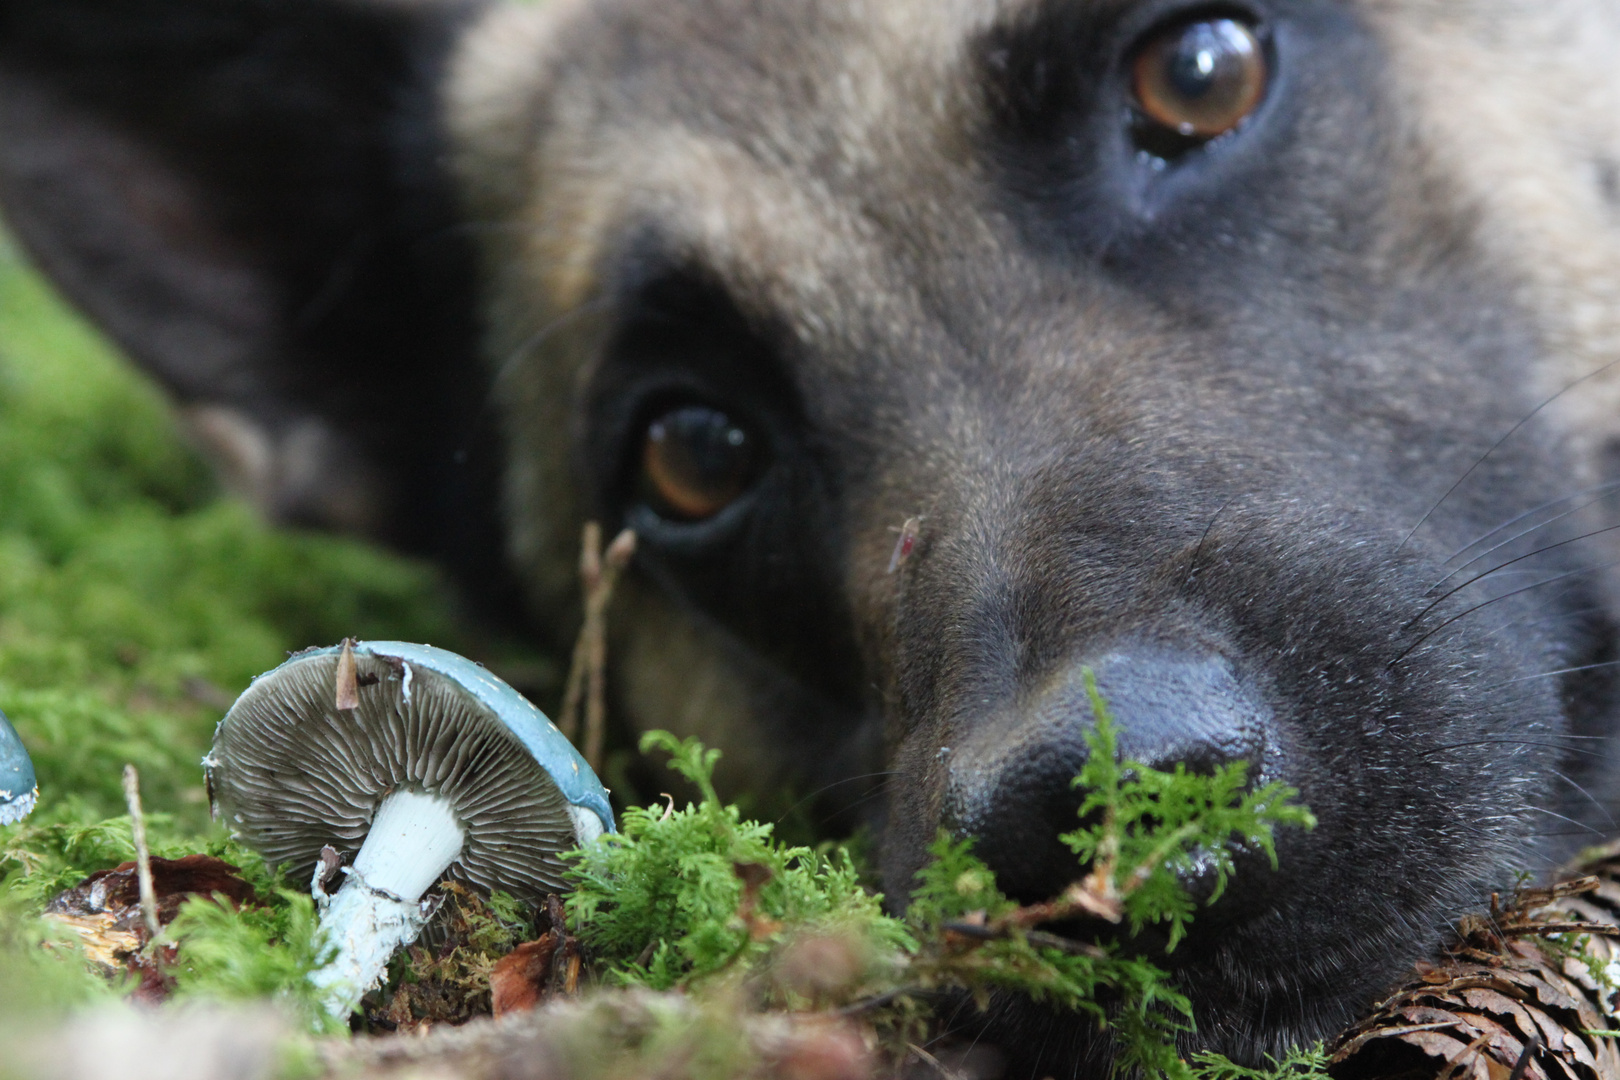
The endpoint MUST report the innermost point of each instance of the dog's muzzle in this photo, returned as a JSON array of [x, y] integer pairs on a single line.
[[1011, 785]]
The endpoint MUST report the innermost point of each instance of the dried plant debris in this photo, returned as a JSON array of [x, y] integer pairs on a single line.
[[1599, 904], [1521, 995], [545, 969], [446, 978]]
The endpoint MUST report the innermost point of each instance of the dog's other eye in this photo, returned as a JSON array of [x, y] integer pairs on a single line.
[[1201, 79], [695, 461]]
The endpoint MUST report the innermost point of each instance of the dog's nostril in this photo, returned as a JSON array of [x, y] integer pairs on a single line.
[[1010, 785], [1179, 708]]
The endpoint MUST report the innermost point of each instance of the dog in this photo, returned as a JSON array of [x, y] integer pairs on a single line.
[[1257, 357]]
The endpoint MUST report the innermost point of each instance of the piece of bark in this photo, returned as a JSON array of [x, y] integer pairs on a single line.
[[104, 910], [117, 892], [346, 694]]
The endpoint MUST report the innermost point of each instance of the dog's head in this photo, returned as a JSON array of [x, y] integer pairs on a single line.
[[937, 352]]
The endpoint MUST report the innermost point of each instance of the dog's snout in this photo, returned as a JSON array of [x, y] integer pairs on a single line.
[[1011, 784]]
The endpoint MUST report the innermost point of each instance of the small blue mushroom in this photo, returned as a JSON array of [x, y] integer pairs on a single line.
[[18, 789], [418, 763]]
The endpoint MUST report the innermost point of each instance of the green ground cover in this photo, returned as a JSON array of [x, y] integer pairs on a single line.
[[135, 599]]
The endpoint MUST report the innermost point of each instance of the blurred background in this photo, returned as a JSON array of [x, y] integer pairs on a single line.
[[137, 600]]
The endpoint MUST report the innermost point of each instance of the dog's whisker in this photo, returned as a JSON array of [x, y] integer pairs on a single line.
[[882, 789], [522, 350], [1497, 445], [1545, 744], [858, 804], [1455, 589], [1495, 600], [489, 405], [1552, 674], [1608, 487], [1581, 827], [1516, 537], [1561, 616], [1192, 562], [1593, 799], [1556, 834]]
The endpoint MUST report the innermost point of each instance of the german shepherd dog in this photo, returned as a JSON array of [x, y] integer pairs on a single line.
[[1252, 354]]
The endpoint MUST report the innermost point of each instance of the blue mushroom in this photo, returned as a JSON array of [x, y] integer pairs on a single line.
[[419, 764], [19, 791]]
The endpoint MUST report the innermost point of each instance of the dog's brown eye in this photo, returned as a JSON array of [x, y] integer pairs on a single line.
[[695, 462], [1200, 79]]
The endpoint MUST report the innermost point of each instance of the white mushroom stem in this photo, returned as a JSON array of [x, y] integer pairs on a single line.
[[413, 839]]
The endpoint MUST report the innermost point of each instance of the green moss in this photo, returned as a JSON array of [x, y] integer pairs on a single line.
[[252, 953], [679, 895]]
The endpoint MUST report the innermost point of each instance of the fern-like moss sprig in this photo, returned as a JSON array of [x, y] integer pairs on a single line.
[[1148, 825], [661, 903]]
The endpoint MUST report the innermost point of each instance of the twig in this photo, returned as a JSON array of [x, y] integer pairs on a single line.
[[1547, 928], [1001, 930], [143, 856], [1088, 897], [933, 1062], [590, 571], [888, 997], [347, 695], [587, 676], [1465, 1058]]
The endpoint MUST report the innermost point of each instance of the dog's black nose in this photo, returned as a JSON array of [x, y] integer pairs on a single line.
[[1011, 783]]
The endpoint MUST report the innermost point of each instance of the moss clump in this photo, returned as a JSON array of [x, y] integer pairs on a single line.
[[682, 897], [679, 895], [251, 953]]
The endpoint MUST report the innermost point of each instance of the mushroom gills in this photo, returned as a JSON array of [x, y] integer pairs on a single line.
[[414, 837]]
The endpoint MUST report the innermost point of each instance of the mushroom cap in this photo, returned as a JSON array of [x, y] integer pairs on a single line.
[[18, 788], [290, 773]]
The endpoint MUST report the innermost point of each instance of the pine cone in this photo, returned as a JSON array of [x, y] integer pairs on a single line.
[[1599, 905], [1509, 1001]]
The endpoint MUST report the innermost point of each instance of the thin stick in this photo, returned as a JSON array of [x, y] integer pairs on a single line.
[[1531, 1045], [347, 696], [587, 677], [614, 561], [933, 1062], [143, 856], [590, 572]]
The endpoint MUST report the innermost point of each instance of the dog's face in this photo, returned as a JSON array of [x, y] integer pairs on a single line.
[[939, 352]]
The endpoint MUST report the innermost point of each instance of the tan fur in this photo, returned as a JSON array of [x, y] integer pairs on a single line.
[[1518, 102]]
